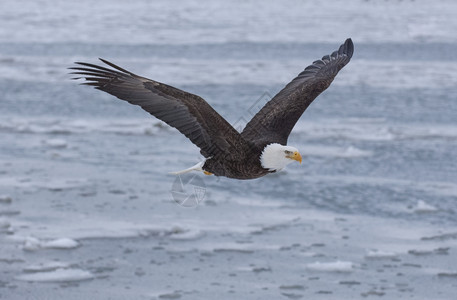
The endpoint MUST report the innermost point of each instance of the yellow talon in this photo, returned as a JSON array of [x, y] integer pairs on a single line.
[[207, 173]]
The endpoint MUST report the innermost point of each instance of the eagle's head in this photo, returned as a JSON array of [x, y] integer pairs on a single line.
[[275, 157]]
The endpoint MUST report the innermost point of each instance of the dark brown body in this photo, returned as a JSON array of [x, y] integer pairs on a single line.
[[249, 167]]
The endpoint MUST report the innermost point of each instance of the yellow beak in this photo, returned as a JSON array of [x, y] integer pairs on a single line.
[[295, 156]]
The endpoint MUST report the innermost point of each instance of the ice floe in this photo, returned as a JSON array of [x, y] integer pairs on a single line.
[[423, 207], [55, 143], [33, 244], [380, 254], [46, 266], [58, 275], [335, 266], [62, 243]]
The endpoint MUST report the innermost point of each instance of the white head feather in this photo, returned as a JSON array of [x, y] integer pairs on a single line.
[[275, 156]]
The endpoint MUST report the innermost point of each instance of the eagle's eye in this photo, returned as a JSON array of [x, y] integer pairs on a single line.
[[288, 152]]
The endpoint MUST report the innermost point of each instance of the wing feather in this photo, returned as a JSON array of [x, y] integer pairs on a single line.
[[274, 122], [188, 113]]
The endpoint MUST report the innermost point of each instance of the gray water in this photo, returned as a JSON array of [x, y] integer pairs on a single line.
[[89, 211]]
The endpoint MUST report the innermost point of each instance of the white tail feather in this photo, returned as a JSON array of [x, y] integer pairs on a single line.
[[197, 167]]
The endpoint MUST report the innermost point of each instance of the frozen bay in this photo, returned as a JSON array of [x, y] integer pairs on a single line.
[[86, 209]]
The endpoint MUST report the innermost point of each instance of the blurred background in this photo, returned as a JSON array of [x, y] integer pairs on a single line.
[[87, 207]]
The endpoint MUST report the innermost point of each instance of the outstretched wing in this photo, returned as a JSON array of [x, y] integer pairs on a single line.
[[188, 113], [274, 122]]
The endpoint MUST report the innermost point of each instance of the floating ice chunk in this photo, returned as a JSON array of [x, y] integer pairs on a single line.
[[59, 275], [33, 244], [336, 266], [63, 243], [309, 254], [354, 152], [379, 254], [45, 267], [423, 207], [55, 143]]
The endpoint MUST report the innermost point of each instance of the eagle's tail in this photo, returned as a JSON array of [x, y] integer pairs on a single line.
[[197, 167]]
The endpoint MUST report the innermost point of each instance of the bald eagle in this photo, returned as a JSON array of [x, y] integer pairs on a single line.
[[261, 148]]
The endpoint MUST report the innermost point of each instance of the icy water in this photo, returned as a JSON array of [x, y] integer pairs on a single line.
[[87, 207]]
